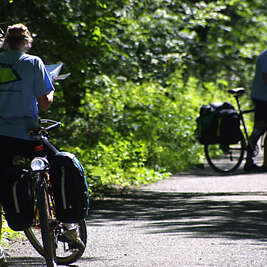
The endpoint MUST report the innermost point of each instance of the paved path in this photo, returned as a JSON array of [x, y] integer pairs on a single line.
[[191, 219]]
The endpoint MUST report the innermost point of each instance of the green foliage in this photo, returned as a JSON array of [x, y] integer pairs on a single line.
[[120, 163], [140, 70], [144, 132]]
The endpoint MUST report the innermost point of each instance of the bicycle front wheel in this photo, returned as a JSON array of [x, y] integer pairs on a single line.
[[64, 253], [225, 158], [47, 233]]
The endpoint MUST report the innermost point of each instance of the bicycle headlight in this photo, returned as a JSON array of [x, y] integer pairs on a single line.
[[39, 164]]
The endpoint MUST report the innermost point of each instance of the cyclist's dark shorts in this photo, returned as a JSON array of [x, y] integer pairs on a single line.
[[260, 110], [9, 148]]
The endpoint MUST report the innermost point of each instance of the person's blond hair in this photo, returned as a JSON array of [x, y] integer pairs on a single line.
[[17, 37]]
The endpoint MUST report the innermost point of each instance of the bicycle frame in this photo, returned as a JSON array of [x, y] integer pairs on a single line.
[[56, 251], [237, 93]]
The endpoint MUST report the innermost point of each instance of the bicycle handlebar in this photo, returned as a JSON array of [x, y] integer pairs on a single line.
[[42, 131], [55, 124]]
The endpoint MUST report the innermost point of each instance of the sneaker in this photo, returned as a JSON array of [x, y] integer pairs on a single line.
[[71, 237], [3, 261]]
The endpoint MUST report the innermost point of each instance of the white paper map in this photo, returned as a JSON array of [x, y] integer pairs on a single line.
[[54, 70]]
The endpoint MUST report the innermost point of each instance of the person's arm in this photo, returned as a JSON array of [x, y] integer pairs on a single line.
[[45, 101]]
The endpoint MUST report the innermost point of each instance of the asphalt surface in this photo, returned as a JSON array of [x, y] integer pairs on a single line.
[[197, 218]]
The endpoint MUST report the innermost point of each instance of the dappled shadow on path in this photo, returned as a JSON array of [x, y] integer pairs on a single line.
[[227, 215], [30, 262], [26, 261]]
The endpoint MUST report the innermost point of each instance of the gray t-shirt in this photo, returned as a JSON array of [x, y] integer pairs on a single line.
[[259, 87], [18, 99]]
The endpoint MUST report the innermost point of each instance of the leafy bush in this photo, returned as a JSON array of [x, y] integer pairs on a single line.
[[138, 133]]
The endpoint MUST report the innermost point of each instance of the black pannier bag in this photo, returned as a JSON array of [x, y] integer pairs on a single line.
[[218, 124], [18, 199], [70, 187], [228, 128], [207, 125]]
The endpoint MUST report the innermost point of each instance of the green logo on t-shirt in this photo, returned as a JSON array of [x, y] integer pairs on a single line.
[[8, 74]]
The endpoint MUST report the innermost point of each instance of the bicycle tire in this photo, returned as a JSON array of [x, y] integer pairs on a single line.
[[33, 234], [225, 158], [44, 217]]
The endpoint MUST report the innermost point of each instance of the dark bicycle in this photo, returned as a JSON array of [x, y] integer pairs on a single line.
[[228, 158], [45, 233]]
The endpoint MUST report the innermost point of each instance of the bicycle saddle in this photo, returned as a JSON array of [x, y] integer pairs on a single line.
[[237, 91]]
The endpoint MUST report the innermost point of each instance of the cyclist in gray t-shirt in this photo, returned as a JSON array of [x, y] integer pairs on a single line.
[[259, 97], [24, 87]]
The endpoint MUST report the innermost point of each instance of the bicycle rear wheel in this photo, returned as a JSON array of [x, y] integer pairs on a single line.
[[225, 158], [48, 237]]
